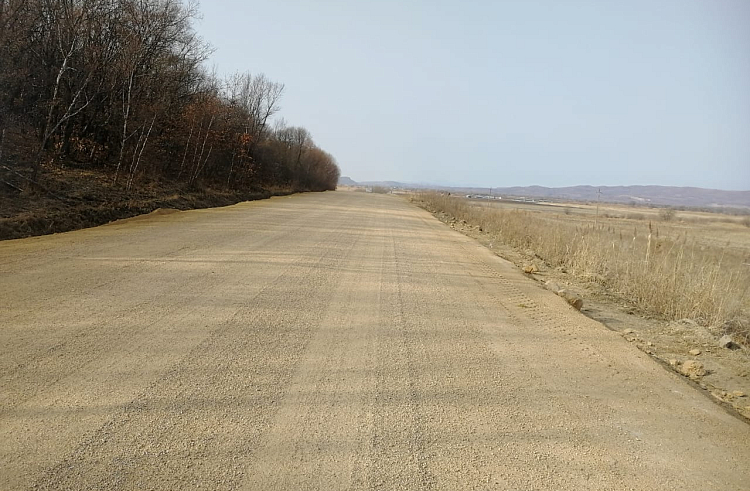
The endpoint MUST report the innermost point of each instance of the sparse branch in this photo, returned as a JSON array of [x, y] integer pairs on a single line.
[[119, 86]]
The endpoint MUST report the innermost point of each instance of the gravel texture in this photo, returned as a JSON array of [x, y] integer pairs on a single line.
[[326, 341]]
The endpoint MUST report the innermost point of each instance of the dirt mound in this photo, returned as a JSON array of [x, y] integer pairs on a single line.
[[72, 199]]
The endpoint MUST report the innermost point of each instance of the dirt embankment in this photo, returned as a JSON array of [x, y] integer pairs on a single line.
[[72, 199]]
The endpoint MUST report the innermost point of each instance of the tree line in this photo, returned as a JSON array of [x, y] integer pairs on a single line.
[[120, 85]]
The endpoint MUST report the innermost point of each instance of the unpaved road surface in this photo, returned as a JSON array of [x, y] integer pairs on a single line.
[[326, 341]]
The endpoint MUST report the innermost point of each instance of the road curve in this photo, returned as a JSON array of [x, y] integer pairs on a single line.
[[337, 341]]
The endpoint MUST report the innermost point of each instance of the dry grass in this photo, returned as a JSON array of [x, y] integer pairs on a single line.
[[672, 275]]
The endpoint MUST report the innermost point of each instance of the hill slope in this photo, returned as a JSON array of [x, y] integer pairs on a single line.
[[655, 195]]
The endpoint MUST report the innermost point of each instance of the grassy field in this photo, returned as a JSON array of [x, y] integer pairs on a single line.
[[671, 264]]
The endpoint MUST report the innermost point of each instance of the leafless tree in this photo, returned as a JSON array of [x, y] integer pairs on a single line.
[[259, 99], [119, 85]]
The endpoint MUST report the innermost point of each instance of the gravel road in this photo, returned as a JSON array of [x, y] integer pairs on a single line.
[[326, 341]]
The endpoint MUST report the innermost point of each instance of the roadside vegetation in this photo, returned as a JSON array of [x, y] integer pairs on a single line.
[[119, 89], [667, 271]]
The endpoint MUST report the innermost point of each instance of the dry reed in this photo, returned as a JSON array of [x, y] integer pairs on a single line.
[[670, 277]]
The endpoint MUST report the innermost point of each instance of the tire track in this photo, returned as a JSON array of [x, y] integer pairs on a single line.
[[217, 401], [366, 346]]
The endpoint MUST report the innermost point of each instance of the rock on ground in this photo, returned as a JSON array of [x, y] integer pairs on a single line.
[[693, 369], [727, 342]]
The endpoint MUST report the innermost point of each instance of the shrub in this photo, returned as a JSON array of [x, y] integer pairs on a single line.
[[667, 214]]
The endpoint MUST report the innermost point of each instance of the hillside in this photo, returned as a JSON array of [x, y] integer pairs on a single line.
[[657, 195], [644, 195]]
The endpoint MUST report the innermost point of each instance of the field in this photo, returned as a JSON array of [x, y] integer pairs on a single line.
[[667, 263]]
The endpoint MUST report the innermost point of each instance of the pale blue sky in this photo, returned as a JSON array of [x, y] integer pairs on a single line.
[[506, 93]]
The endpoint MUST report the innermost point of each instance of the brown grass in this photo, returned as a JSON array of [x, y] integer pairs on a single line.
[[673, 276]]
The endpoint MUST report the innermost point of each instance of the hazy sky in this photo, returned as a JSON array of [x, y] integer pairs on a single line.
[[502, 93]]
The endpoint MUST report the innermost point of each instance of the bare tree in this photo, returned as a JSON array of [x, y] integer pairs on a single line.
[[154, 32], [66, 22], [258, 97], [120, 84], [11, 76]]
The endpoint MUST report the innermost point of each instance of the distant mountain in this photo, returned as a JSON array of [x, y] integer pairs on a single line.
[[402, 185], [644, 195], [346, 181], [392, 184], [656, 195]]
